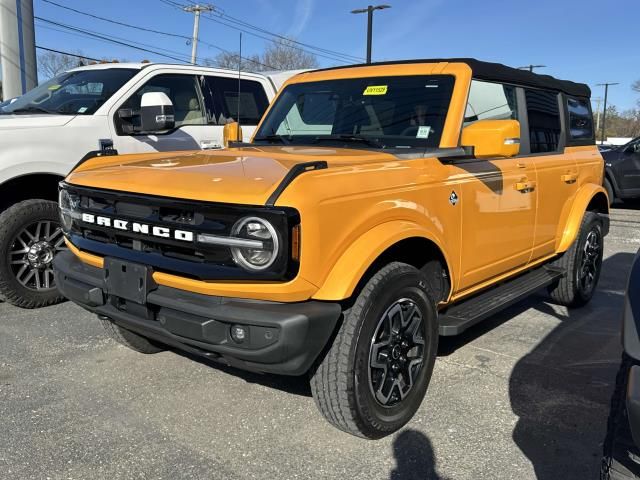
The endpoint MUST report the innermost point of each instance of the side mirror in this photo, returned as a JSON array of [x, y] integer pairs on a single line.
[[232, 132], [156, 112], [492, 138]]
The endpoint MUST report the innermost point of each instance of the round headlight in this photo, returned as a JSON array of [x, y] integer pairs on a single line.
[[65, 205], [255, 228]]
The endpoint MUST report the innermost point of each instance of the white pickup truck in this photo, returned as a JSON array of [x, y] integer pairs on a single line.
[[98, 110]]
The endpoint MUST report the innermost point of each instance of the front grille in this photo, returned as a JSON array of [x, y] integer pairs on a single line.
[[186, 258]]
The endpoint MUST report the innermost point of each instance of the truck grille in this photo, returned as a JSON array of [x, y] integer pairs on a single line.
[[185, 258]]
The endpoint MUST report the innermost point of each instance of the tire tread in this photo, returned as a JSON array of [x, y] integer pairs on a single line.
[[9, 220], [129, 339], [335, 369]]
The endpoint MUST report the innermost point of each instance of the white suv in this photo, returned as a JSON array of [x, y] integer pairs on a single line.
[[98, 110]]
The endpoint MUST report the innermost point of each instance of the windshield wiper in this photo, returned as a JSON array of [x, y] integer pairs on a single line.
[[273, 138], [30, 110], [349, 138]]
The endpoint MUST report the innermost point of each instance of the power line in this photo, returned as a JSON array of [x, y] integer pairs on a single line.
[[111, 39], [116, 22], [151, 30], [223, 19], [291, 44], [230, 18], [83, 57]]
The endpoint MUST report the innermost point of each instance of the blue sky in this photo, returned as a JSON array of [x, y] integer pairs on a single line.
[[591, 41]]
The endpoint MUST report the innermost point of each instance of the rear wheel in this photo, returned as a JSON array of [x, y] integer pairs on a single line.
[[582, 264], [30, 236], [130, 339], [375, 374], [610, 193]]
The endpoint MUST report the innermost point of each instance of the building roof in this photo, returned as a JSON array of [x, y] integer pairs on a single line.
[[498, 72]]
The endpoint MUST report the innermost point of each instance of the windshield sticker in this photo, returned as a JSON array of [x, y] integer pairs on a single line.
[[423, 132], [82, 109], [54, 87], [376, 90]]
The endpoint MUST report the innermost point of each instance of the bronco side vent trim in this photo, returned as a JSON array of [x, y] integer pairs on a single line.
[[295, 172]]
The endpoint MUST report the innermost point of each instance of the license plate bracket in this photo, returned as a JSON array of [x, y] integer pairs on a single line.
[[127, 280]]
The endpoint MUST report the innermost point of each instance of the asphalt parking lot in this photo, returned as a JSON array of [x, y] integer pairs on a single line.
[[524, 395]]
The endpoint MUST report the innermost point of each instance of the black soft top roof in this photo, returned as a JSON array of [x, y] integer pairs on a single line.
[[499, 73]]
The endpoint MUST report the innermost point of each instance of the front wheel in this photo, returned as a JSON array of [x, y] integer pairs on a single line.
[[375, 374], [30, 236]]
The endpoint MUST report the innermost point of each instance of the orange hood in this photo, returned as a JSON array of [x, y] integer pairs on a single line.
[[246, 175]]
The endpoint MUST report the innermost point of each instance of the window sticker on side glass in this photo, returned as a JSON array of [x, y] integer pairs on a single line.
[[82, 109], [375, 90], [423, 132]]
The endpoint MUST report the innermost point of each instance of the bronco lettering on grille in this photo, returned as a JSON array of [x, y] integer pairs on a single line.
[[140, 228]]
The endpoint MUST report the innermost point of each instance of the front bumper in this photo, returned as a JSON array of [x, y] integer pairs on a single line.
[[283, 338]]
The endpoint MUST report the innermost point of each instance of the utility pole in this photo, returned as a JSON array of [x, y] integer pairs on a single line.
[[531, 67], [604, 110], [369, 11], [598, 102], [17, 47], [196, 10]]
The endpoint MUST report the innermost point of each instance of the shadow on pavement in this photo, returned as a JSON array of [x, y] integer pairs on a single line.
[[561, 389], [627, 204], [415, 459], [294, 385]]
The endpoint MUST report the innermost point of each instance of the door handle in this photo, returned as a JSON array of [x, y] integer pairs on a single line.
[[209, 144], [521, 165], [569, 178], [526, 187]]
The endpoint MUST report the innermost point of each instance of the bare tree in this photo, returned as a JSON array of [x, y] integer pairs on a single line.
[[51, 64], [230, 60], [285, 55], [623, 124], [282, 54]]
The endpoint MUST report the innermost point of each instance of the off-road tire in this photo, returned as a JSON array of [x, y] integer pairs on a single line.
[[12, 221], [621, 457], [610, 192], [340, 383], [567, 291], [130, 339]]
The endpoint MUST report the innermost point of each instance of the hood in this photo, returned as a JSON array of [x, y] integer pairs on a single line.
[[245, 175], [9, 121]]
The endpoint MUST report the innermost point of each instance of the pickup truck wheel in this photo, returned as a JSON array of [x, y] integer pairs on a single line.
[[30, 236], [621, 457], [582, 264], [130, 339], [376, 372]]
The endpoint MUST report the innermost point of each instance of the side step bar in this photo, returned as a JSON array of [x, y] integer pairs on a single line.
[[457, 318]]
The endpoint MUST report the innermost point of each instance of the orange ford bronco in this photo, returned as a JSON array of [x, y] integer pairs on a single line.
[[376, 208]]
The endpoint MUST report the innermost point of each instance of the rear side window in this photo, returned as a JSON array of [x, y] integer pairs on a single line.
[[544, 120], [490, 101], [580, 119], [221, 96]]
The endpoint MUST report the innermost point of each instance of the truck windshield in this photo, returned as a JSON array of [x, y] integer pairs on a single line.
[[380, 112], [72, 93]]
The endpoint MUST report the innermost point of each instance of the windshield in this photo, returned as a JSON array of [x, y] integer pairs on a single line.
[[72, 93], [381, 112]]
